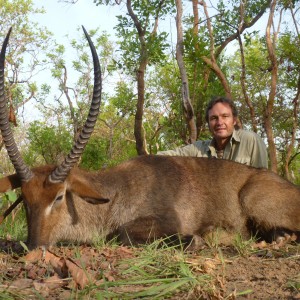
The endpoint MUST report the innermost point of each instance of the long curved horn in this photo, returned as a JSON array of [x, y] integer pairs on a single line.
[[62, 171], [22, 170]]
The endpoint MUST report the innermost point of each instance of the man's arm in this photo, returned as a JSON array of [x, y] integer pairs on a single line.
[[188, 150], [259, 157]]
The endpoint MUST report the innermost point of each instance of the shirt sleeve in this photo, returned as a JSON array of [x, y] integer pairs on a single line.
[[259, 155], [188, 150]]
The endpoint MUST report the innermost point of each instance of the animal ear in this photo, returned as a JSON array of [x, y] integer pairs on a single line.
[[10, 182], [81, 183], [96, 201]]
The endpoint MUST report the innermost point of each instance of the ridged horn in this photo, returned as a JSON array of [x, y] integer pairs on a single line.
[[62, 171], [22, 170]]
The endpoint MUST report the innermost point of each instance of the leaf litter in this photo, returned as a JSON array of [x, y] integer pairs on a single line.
[[268, 272]]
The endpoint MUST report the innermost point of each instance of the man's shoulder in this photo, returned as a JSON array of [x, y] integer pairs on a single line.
[[250, 139], [247, 134]]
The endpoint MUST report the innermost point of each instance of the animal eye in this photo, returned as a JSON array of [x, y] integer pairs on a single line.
[[59, 198]]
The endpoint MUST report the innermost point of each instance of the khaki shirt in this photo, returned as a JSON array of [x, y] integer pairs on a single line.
[[244, 147]]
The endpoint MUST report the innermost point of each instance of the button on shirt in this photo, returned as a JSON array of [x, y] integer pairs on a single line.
[[244, 147]]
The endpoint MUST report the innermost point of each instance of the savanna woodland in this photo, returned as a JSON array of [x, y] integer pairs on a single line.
[[157, 80]]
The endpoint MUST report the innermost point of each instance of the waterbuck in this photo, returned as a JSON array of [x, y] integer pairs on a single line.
[[144, 198]]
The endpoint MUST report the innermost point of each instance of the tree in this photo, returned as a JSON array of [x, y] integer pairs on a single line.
[[188, 108], [117, 118], [288, 48], [141, 45], [262, 76], [224, 27], [271, 43], [285, 106], [23, 59], [47, 144], [74, 98], [150, 46]]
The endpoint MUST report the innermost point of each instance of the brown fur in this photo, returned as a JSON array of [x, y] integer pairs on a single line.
[[154, 196]]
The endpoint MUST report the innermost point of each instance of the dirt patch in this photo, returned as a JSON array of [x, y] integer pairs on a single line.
[[263, 278], [220, 273]]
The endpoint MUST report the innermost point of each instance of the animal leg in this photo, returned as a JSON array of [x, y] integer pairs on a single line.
[[271, 205], [147, 229], [140, 231]]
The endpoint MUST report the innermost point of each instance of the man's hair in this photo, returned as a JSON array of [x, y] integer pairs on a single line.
[[216, 100]]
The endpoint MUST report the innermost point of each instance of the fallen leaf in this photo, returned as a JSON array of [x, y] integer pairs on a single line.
[[209, 266], [33, 256], [58, 264], [83, 261], [80, 276], [32, 272], [294, 237], [54, 281], [125, 252], [14, 272], [41, 287], [50, 283], [48, 256], [22, 283], [109, 276], [260, 245]]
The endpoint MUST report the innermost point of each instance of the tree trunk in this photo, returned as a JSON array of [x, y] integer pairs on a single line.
[[243, 85], [141, 145], [211, 62], [140, 76], [138, 122], [290, 147], [296, 101], [188, 108], [214, 53], [214, 66], [197, 97], [270, 102]]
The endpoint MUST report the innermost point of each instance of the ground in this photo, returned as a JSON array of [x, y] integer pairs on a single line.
[[268, 278], [243, 271]]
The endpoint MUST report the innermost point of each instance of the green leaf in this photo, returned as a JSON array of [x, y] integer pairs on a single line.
[[11, 196], [24, 246]]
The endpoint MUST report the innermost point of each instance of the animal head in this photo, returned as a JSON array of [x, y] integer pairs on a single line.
[[45, 189]]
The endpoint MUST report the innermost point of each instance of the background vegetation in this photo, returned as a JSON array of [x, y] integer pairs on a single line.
[[248, 51]]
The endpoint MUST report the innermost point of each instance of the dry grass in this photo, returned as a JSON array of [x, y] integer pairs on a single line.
[[156, 271]]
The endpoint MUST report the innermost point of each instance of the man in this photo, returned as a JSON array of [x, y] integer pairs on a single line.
[[239, 145]]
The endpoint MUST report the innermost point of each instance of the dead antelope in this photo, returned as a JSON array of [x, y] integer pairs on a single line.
[[144, 198]]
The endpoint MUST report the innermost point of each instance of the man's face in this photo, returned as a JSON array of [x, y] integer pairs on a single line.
[[221, 121]]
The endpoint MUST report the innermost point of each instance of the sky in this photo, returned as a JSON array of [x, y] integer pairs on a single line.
[[64, 19]]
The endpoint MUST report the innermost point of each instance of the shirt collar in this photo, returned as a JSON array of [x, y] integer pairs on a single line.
[[235, 136], [211, 146]]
